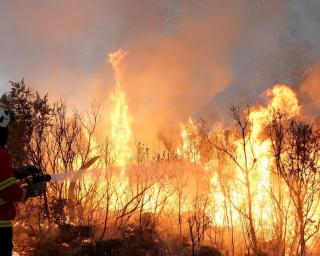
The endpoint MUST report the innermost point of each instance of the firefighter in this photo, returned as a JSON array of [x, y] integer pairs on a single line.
[[10, 192]]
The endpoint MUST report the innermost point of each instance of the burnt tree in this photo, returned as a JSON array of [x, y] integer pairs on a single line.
[[295, 147], [227, 145]]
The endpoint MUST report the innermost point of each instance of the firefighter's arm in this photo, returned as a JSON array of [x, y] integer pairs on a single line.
[[20, 193], [9, 190], [29, 178], [25, 171]]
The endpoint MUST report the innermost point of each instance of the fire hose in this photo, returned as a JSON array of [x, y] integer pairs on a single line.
[[33, 176]]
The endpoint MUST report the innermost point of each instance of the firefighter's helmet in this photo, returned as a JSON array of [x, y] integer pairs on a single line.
[[5, 117]]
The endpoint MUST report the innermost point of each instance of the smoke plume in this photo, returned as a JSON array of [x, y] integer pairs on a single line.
[[185, 57]]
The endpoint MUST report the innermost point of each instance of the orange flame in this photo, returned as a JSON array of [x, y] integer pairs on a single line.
[[190, 142], [285, 100], [121, 132]]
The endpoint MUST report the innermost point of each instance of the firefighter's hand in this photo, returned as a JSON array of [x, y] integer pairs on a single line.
[[34, 190], [25, 171]]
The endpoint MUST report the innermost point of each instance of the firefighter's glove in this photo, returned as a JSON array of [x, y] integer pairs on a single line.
[[25, 171], [35, 189]]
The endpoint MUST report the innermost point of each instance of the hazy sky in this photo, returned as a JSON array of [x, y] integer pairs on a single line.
[[186, 57]]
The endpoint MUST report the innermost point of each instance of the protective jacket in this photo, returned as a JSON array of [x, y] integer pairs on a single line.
[[10, 192]]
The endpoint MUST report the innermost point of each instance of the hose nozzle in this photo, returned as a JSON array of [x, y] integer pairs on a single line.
[[38, 178]]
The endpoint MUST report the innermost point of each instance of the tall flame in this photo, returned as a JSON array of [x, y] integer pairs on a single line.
[[121, 132], [285, 100]]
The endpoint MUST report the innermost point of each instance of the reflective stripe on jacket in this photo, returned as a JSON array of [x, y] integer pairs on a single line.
[[10, 192]]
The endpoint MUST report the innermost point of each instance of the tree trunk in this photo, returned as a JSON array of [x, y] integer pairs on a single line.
[[251, 222], [180, 220], [301, 227]]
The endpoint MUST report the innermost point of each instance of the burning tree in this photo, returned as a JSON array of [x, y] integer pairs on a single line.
[[211, 186], [295, 147], [246, 162]]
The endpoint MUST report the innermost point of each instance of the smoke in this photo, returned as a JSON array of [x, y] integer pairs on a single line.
[[310, 88], [180, 58], [278, 51], [185, 57]]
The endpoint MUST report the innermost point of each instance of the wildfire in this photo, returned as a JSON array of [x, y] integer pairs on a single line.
[[283, 99], [161, 188], [189, 148], [223, 204], [121, 132]]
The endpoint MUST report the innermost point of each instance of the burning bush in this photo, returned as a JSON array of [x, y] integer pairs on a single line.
[[250, 188]]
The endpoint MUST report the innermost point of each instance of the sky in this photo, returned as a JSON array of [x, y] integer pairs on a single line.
[[185, 57]]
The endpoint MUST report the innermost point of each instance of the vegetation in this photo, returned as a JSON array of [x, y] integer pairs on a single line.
[[251, 188]]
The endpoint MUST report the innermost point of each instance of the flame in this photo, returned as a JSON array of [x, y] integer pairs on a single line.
[[285, 100], [223, 204], [120, 140], [121, 131], [190, 142]]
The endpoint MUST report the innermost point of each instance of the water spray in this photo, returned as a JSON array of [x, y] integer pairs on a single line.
[[38, 177]]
